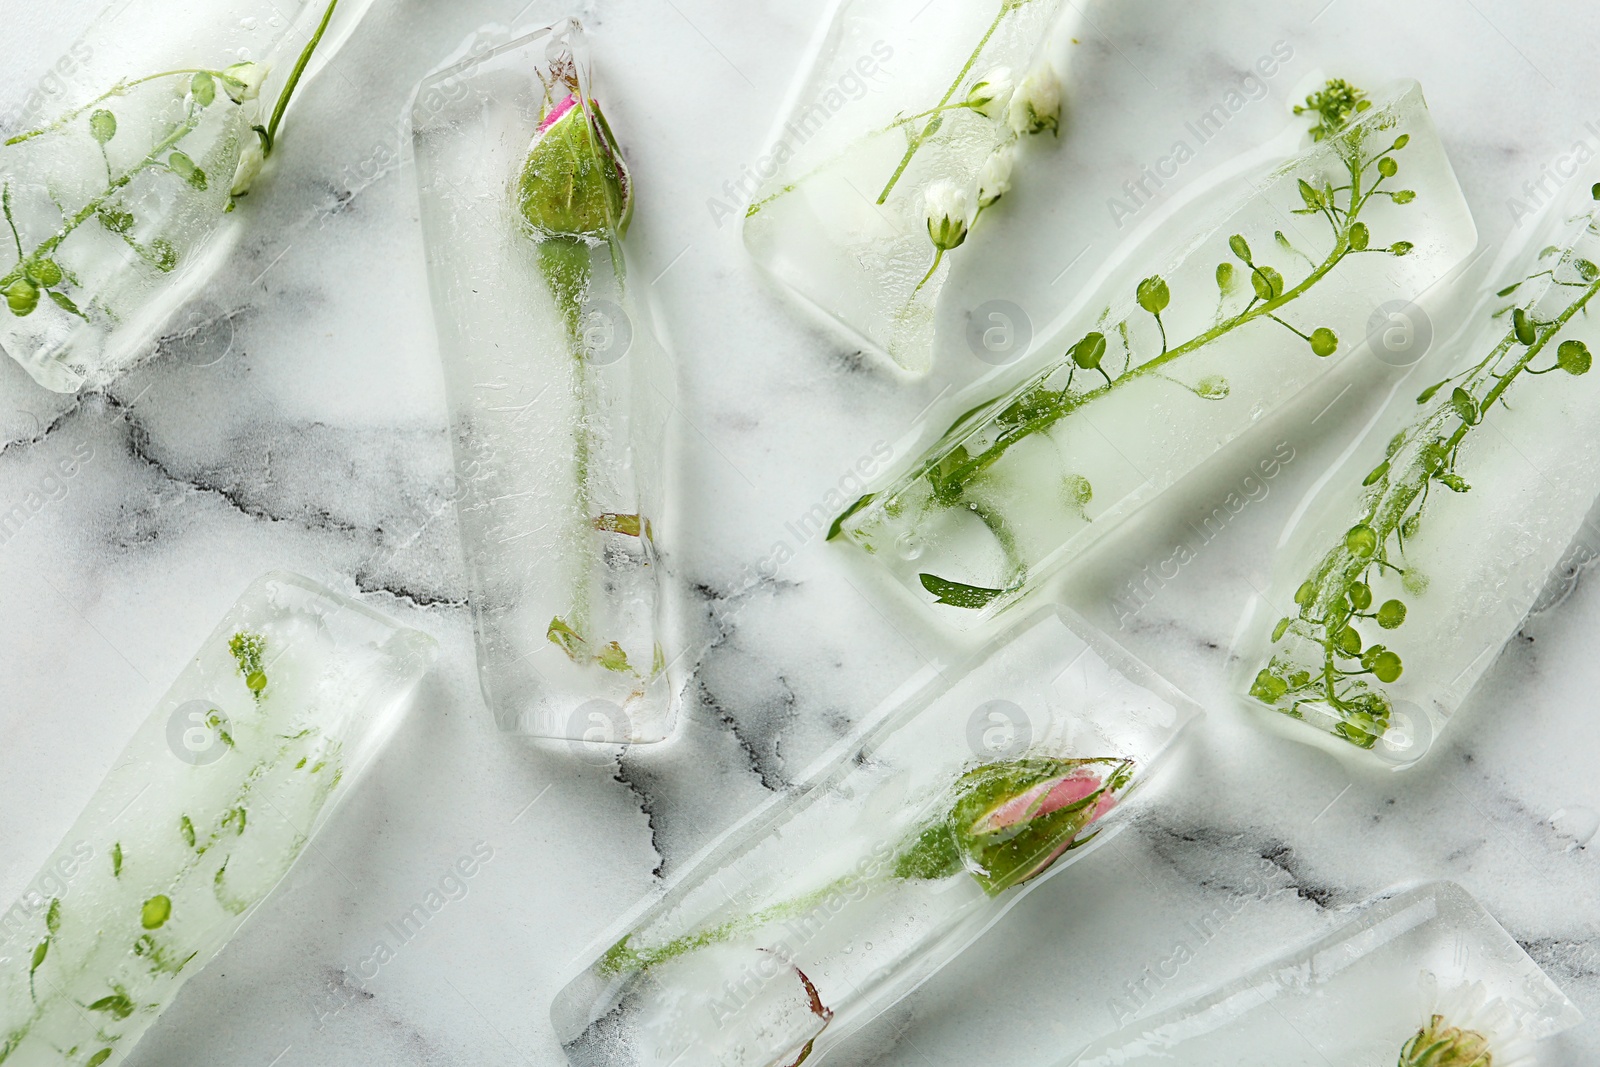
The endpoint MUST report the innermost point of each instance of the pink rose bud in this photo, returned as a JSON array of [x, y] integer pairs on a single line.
[[575, 183]]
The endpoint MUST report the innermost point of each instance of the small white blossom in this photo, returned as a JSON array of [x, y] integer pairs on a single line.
[[990, 96], [243, 81], [250, 163], [994, 179], [1036, 105], [947, 210]]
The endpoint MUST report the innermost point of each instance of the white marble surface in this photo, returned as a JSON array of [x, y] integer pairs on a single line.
[[298, 423]]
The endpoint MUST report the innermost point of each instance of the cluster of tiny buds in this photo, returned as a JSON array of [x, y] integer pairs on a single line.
[[1030, 107]]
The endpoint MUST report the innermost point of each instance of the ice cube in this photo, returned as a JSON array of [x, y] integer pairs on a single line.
[[558, 393], [1361, 996], [1426, 547], [834, 901], [1230, 309], [218, 793]]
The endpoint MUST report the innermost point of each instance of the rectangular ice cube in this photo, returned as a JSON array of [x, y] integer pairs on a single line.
[[829, 904], [1226, 311], [902, 107], [1425, 969], [218, 793], [558, 390], [119, 180], [1425, 548]]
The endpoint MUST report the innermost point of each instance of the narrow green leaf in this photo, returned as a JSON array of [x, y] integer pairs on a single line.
[[957, 594], [155, 913], [117, 1006]]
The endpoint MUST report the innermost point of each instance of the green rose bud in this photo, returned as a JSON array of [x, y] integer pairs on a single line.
[[575, 183]]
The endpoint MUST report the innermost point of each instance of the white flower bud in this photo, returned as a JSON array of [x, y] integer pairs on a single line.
[[250, 163], [994, 179], [947, 210], [243, 81], [990, 96], [1036, 105]]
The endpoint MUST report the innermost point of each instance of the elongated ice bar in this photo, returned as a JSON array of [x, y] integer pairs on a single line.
[[119, 178], [896, 112], [558, 394], [215, 797], [1232, 307], [1360, 996], [1426, 547], [829, 904]]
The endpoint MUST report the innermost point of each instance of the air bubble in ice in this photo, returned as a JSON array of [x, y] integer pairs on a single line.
[[908, 545], [249, 23]]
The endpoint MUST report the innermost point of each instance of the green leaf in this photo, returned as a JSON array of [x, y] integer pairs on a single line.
[[52, 917], [1454, 482], [22, 296], [103, 126], [204, 88], [116, 860], [166, 257], [1240, 249], [115, 220], [1388, 167], [1226, 277], [1212, 387], [1360, 236], [1376, 474], [1400, 248], [1587, 269], [1361, 540], [1387, 666], [1268, 283], [99, 1057], [39, 953], [1403, 196], [1311, 196], [1573, 357], [1268, 687], [155, 913], [613, 658], [1427, 394], [186, 828], [43, 272], [1077, 490], [1153, 294], [117, 1006], [1391, 614], [1305, 594], [1324, 342], [1522, 326], [1360, 595], [1088, 352], [956, 594], [1349, 641], [64, 302], [1401, 141], [838, 523], [1462, 401], [1279, 630], [181, 165]]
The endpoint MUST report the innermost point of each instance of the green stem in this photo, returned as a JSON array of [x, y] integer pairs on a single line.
[[567, 266], [1006, 7], [624, 960], [120, 89], [270, 134]]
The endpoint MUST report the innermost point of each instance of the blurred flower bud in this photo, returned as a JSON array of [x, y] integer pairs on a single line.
[[994, 179], [990, 96], [947, 210], [243, 81], [1036, 105]]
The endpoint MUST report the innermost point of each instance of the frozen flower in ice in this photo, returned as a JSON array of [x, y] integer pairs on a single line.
[[1467, 1029], [249, 168], [1036, 105], [990, 96], [947, 210], [1009, 821], [575, 183], [243, 81], [994, 179]]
